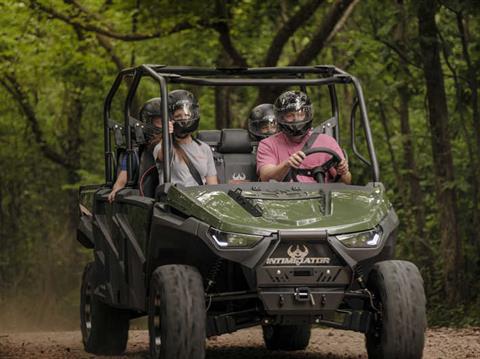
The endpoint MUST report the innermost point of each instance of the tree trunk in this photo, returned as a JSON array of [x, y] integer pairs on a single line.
[[393, 159], [416, 209], [473, 85], [331, 23], [471, 79], [442, 154], [222, 107], [472, 214], [222, 96]]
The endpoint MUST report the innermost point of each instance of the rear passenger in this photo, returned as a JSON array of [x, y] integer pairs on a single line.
[[150, 114], [262, 123]]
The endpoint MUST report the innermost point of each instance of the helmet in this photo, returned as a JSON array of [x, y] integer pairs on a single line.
[[262, 122], [150, 109], [189, 118], [293, 103]]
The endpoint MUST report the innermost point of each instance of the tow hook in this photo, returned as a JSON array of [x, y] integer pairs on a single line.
[[303, 294]]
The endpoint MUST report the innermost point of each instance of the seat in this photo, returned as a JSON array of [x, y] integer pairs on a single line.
[[210, 137], [148, 178], [235, 161], [330, 127]]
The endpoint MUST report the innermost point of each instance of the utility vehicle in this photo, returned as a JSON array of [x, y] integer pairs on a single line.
[[207, 260]]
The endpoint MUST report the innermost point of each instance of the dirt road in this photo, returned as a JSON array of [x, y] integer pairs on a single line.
[[325, 343]]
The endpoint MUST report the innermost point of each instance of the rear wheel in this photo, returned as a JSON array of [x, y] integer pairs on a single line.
[[399, 328], [176, 313], [286, 337], [104, 328]]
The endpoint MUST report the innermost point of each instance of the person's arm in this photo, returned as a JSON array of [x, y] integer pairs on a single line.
[[158, 150], [344, 172], [269, 166], [211, 176], [342, 168], [118, 185], [211, 179], [278, 172], [347, 178]]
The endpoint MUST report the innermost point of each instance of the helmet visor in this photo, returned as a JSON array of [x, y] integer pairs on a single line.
[[295, 117], [151, 109], [264, 127], [184, 113]]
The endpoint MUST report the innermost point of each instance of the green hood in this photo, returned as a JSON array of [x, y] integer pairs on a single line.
[[340, 210]]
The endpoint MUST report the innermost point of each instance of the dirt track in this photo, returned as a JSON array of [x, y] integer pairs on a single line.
[[325, 343]]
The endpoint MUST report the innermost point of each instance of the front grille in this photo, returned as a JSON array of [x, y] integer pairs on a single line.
[[319, 275], [298, 253]]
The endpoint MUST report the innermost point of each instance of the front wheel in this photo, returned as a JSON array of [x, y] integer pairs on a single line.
[[104, 328], [399, 328], [176, 313], [286, 337]]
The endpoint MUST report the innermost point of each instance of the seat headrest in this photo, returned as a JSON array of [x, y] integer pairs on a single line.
[[235, 140], [210, 137]]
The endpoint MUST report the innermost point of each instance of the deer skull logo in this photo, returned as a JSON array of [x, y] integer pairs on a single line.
[[239, 176], [298, 255]]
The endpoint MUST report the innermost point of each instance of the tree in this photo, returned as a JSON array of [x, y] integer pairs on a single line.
[[219, 18], [442, 152]]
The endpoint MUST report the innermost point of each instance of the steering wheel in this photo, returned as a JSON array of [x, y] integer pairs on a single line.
[[319, 173]]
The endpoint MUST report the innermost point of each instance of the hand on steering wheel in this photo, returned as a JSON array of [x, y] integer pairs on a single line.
[[319, 173]]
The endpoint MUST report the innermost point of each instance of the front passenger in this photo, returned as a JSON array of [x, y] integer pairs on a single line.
[[192, 163]]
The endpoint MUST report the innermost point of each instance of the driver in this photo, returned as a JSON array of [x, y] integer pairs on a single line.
[[277, 154]]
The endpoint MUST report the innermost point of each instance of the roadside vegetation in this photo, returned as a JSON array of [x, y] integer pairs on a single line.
[[418, 61]]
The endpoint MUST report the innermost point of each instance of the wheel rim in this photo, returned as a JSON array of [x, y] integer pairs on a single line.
[[157, 328], [87, 308]]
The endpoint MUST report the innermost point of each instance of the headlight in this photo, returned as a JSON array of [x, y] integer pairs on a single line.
[[366, 239], [237, 240]]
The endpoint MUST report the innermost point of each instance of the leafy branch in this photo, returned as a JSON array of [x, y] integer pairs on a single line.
[[87, 25], [13, 87]]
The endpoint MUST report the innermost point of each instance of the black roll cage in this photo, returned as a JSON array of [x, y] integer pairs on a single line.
[[289, 76]]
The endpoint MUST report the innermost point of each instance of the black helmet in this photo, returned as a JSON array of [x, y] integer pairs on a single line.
[[150, 109], [291, 102], [262, 122], [186, 101]]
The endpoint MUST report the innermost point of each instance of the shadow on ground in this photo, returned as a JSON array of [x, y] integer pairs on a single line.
[[259, 352], [233, 352]]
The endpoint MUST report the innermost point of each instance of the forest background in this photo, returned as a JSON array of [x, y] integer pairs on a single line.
[[418, 61]]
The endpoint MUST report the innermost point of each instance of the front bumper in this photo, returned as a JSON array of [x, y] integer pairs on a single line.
[[302, 277]]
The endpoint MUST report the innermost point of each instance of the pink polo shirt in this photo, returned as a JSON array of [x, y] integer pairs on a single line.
[[277, 148]]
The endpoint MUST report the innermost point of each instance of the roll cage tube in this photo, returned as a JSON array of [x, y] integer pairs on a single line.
[[106, 129], [353, 133], [367, 130], [165, 135], [254, 71], [128, 134], [176, 74], [335, 113], [366, 125]]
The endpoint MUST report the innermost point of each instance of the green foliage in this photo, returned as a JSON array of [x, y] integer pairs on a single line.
[[65, 72]]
